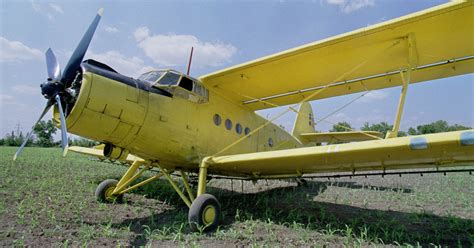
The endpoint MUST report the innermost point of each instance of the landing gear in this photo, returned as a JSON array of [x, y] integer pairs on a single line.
[[204, 210], [104, 192], [204, 213]]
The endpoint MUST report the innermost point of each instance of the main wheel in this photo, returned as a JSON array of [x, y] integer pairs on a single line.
[[103, 193], [204, 213]]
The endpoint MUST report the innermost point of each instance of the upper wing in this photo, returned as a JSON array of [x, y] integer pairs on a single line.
[[98, 151], [432, 150], [437, 42], [332, 137]]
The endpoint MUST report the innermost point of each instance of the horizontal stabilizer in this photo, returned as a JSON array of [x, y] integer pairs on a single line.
[[422, 151], [333, 137], [98, 151]]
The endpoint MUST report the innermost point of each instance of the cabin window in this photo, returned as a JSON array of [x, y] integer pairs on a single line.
[[228, 124], [270, 142], [217, 119], [247, 131], [238, 128]]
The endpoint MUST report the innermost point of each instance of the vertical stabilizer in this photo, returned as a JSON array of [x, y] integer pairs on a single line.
[[304, 122]]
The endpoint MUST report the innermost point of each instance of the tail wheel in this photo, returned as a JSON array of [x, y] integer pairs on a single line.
[[204, 214], [104, 191]]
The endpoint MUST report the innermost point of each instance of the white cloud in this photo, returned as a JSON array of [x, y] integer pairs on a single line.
[[56, 8], [36, 7], [374, 95], [26, 89], [348, 6], [5, 98], [173, 49], [47, 9], [141, 33], [130, 66], [112, 30], [14, 51]]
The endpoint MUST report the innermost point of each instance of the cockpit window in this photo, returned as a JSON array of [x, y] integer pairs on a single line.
[[170, 78], [186, 83], [200, 90], [151, 76], [143, 76], [178, 84]]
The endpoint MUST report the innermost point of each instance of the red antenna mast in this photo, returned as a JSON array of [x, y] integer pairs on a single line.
[[190, 59]]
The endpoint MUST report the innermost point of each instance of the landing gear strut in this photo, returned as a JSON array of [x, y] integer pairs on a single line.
[[204, 210]]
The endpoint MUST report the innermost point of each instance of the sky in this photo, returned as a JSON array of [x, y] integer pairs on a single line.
[[136, 36]]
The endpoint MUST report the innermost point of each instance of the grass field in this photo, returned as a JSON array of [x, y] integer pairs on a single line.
[[49, 201]]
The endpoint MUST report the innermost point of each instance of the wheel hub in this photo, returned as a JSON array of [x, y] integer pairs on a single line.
[[208, 215], [109, 194]]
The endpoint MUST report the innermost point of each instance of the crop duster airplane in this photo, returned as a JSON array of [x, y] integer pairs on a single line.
[[179, 125]]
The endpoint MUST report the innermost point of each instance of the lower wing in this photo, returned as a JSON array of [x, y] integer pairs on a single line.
[[431, 150]]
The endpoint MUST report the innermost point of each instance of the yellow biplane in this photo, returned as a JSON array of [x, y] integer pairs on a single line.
[[179, 125]]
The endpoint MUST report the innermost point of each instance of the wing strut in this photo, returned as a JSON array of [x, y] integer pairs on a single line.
[[412, 61]]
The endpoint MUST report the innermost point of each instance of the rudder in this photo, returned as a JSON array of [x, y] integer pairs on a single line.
[[304, 122]]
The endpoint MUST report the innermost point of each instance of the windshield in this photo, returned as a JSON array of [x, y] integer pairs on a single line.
[[170, 78], [151, 76]]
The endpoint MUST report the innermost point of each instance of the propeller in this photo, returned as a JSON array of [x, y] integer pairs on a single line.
[[28, 136], [55, 87], [52, 65], [64, 139], [74, 63]]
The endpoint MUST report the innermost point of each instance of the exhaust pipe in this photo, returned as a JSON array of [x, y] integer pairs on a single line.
[[113, 152]]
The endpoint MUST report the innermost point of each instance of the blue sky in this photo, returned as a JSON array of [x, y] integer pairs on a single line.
[[135, 36]]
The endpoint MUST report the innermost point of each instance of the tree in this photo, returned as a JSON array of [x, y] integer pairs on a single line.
[[83, 142], [382, 127], [341, 127], [44, 131], [435, 127], [15, 139]]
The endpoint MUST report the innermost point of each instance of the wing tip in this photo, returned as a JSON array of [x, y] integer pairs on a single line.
[[100, 12]]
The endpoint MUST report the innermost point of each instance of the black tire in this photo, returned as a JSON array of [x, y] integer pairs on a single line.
[[104, 188], [199, 215]]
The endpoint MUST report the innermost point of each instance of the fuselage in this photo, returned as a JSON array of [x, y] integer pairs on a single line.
[[163, 127]]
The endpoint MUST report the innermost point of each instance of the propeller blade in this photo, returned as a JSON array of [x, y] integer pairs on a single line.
[[52, 65], [28, 136], [64, 140], [76, 58]]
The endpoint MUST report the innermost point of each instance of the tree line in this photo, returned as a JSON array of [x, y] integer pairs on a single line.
[[44, 131], [383, 127]]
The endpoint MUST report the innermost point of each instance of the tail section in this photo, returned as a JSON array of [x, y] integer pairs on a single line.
[[304, 122], [304, 130]]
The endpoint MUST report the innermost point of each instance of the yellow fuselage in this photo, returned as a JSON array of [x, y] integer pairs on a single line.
[[170, 130]]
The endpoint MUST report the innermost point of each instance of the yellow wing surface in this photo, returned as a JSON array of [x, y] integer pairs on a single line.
[[341, 136], [435, 43], [98, 152], [433, 150]]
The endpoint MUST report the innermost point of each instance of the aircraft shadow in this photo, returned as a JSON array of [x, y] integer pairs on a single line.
[[295, 204]]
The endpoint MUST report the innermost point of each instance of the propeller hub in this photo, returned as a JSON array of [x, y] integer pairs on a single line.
[[50, 88]]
